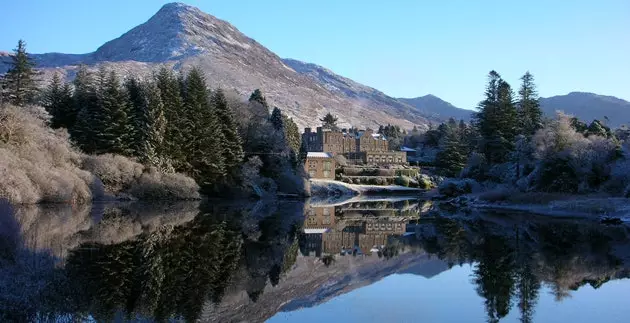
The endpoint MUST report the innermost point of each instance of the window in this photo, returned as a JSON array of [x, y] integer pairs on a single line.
[[326, 173], [312, 173], [326, 220], [327, 165]]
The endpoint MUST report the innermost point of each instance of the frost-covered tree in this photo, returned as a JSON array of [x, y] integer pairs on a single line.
[[57, 99], [232, 146], [528, 105], [329, 121], [175, 114], [147, 120], [19, 84], [204, 138]]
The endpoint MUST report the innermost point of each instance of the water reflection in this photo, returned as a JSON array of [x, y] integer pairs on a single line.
[[248, 261]]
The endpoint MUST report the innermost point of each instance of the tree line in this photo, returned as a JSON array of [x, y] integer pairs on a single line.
[[167, 120], [510, 141]]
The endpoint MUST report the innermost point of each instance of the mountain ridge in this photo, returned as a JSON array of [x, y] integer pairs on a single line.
[[180, 36]]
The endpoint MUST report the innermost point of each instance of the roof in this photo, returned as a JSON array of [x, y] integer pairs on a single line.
[[315, 231], [407, 149], [318, 155]]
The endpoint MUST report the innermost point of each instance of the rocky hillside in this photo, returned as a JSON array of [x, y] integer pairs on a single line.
[[589, 106], [181, 36]]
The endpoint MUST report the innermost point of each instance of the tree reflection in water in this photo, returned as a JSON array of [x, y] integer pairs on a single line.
[[181, 263]]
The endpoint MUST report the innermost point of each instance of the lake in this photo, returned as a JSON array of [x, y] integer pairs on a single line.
[[359, 260]]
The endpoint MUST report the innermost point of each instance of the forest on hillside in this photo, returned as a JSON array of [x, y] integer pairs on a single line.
[[167, 123]]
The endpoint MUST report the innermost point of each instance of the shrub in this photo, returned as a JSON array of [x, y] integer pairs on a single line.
[[402, 181], [116, 172], [457, 187], [500, 193], [38, 164], [357, 181], [153, 185]]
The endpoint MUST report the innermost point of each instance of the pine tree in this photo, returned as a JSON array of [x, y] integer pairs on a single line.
[[329, 121], [303, 152], [86, 104], [57, 100], [204, 138], [175, 114], [496, 120], [276, 119], [529, 112], [114, 105], [293, 139], [19, 81], [452, 155], [147, 120], [232, 145], [257, 96]]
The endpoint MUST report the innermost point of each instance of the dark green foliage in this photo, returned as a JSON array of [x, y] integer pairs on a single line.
[[19, 85], [57, 100], [276, 119], [113, 117], [453, 152], [329, 122], [259, 98], [303, 152], [558, 176], [147, 120], [203, 137], [85, 103], [293, 139], [232, 146], [529, 112], [496, 120], [394, 136], [174, 112]]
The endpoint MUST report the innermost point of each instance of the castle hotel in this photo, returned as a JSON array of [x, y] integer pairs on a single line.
[[358, 147]]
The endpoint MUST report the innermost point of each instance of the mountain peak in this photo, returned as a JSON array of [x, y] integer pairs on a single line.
[[176, 31]]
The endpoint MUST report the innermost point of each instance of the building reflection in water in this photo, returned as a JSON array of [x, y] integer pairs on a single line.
[[362, 228]]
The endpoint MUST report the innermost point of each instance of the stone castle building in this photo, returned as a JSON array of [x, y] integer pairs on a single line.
[[363, 146]]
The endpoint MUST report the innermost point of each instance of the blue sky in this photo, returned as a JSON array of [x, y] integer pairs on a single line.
[[405, 48]]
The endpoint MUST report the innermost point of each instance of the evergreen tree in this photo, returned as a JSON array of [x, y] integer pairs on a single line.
[[86, 104], [291, 133], [58, 102], [276, 119], [175, 114], [257, 96], [113, 103], [496, 120], [204, 140], [329, 121], [303, 152], [452, 155], [147, 120], [19, 81], [232, 146], [529, 112]]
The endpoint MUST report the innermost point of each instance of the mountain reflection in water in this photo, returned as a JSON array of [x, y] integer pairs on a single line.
[[248, 261]]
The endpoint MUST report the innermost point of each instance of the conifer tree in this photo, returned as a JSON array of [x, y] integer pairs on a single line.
[[496, 120], [291, 133], [276, 119], [329, 121], [529, 112], [19, 81], [57, 100], [452, 156], [303, 153], [86, 104], [257, 96], [175, 114], [147, 120], [204, 138], [114, 106], [232, 146]]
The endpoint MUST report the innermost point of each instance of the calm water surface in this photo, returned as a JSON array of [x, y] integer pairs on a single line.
[[377, 260]]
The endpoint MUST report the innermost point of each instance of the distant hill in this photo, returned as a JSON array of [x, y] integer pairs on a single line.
[[436, 108], [589, 106]]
